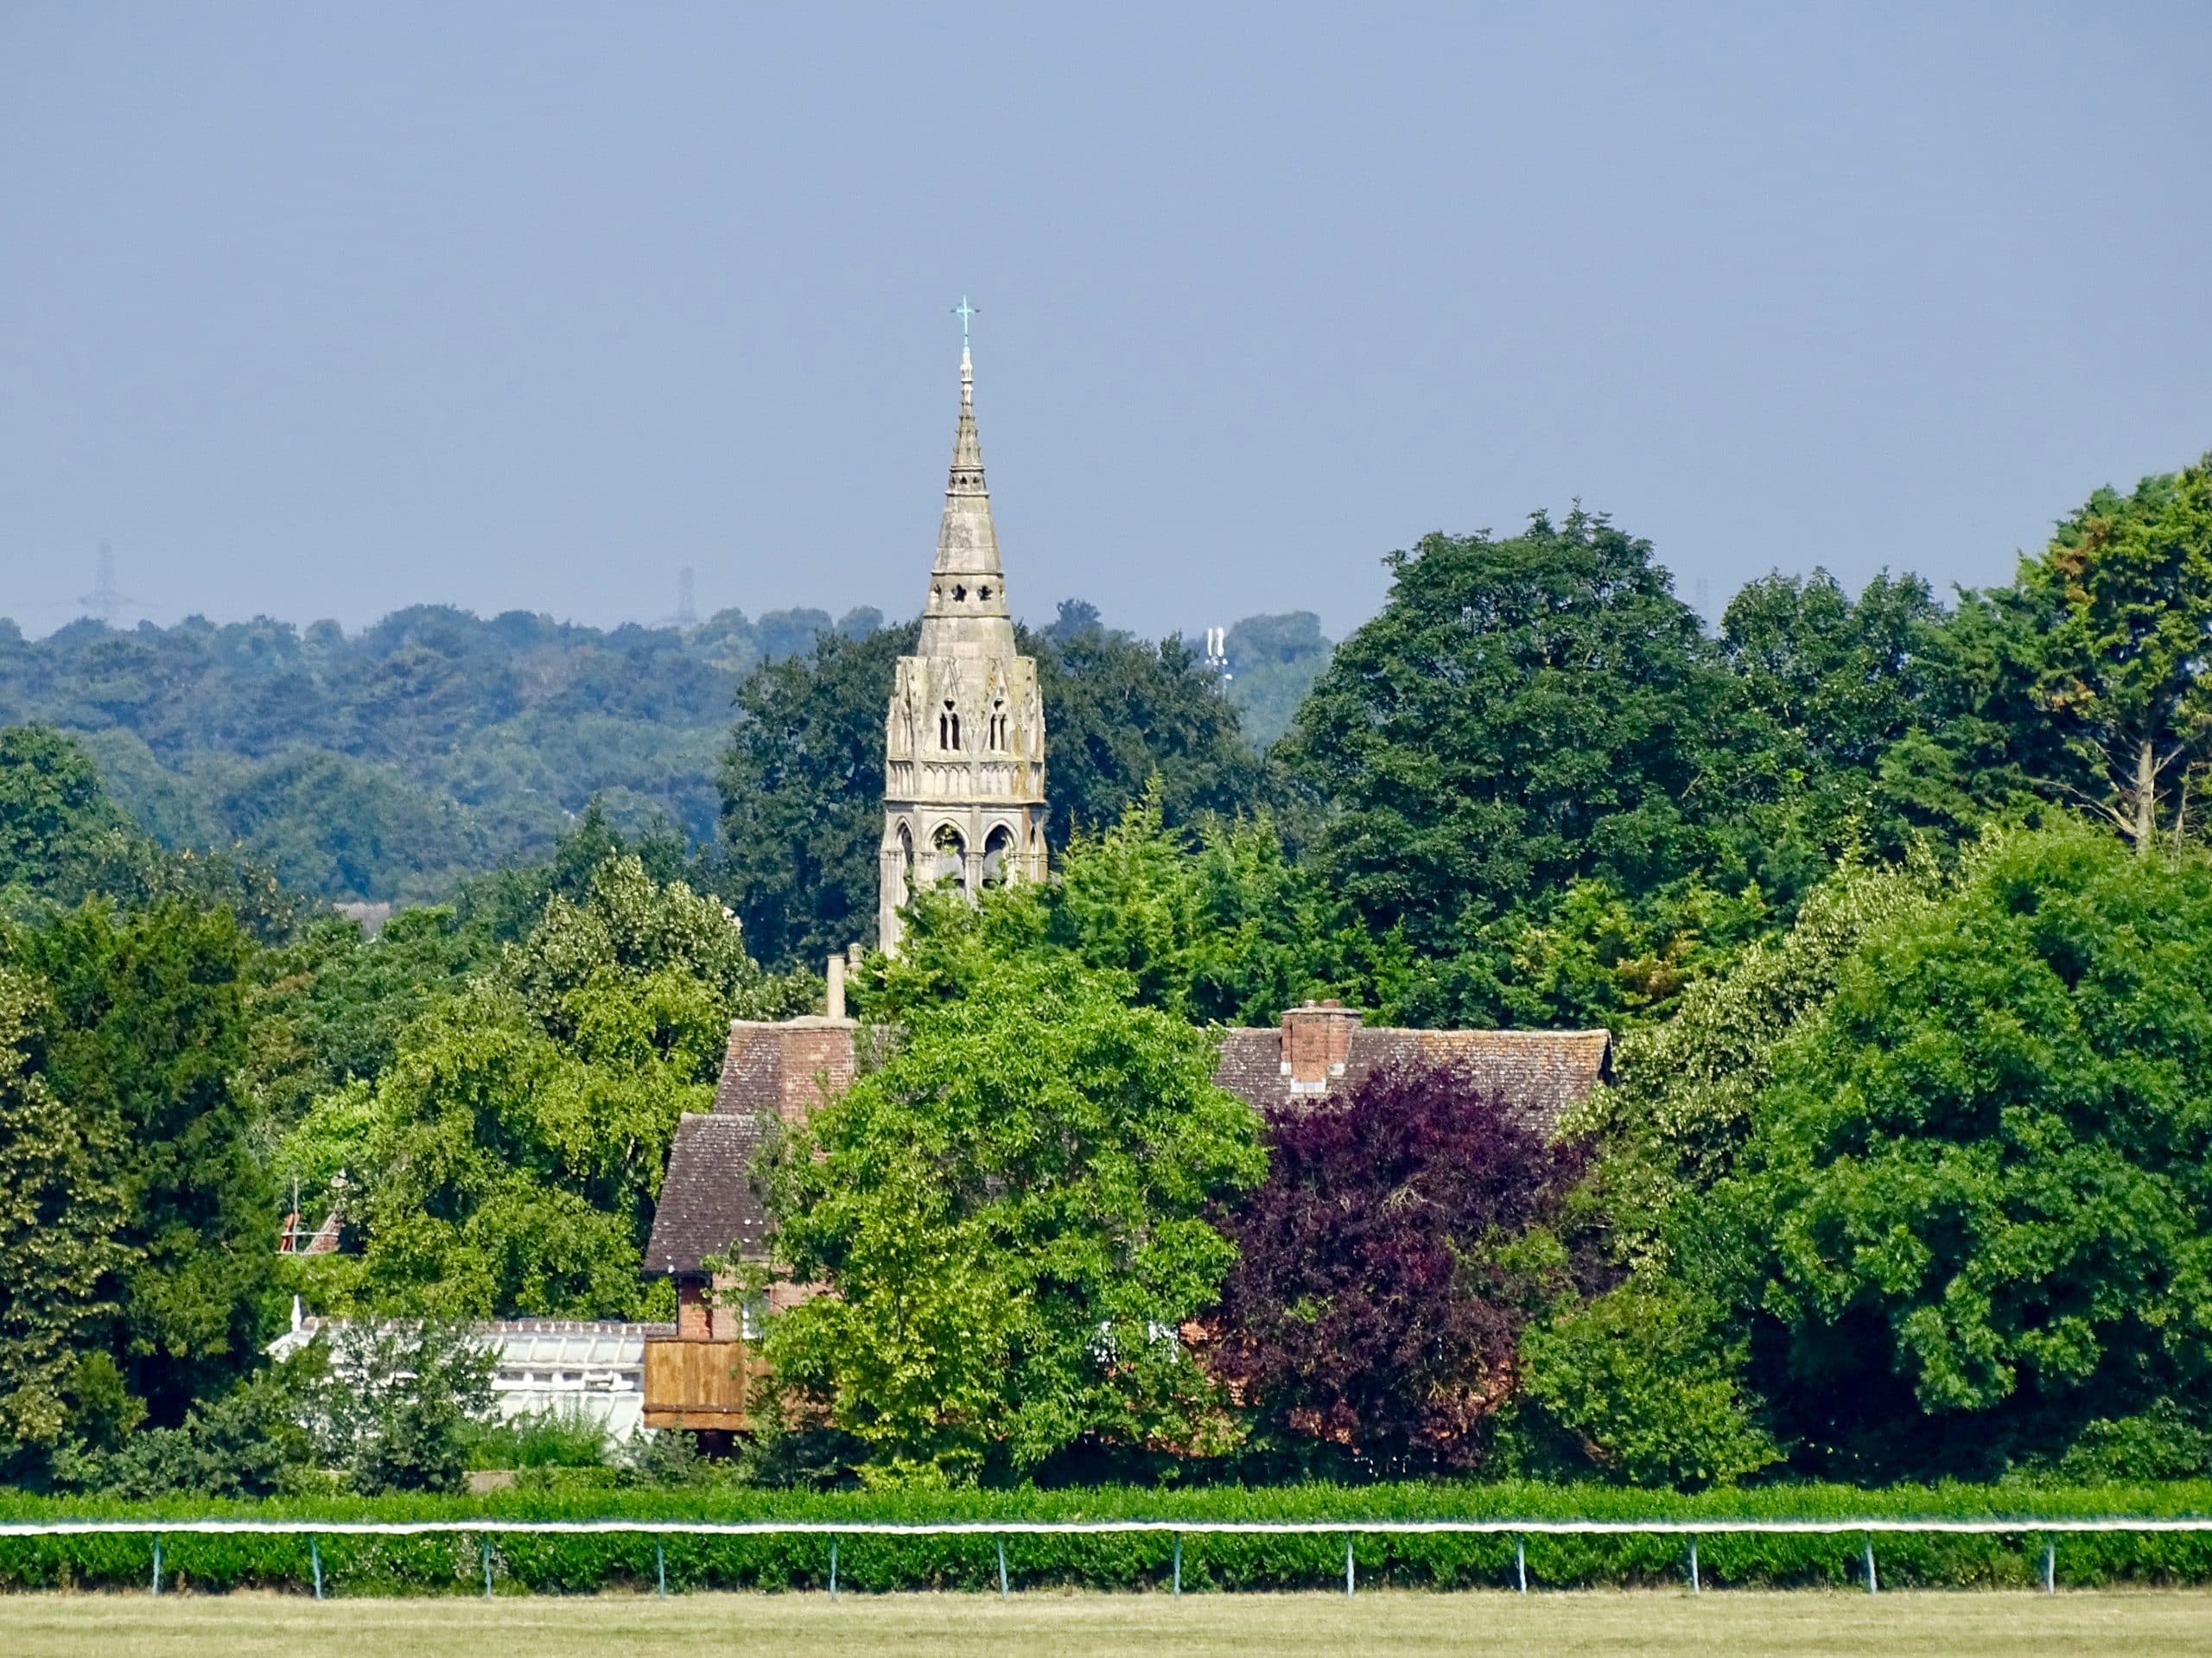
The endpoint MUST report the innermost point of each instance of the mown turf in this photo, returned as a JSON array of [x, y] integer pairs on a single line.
[[2143, 1624]]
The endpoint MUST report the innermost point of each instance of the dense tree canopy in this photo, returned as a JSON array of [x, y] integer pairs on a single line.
[[1012, 1210], [1972, 1212], [1900, 910], [147, 1032], [1386, 1266], [1273, 663], [506, 1159], [389, 762], [2128, 582], [60, 1217], [1523, 712], [803, 795]]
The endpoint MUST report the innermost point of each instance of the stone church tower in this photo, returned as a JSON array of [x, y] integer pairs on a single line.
[[963, 747]]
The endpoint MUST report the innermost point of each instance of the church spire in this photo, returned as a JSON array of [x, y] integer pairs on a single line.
[[964, 737], [967, 612]]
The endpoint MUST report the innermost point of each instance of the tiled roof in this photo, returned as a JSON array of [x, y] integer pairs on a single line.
[[753, 1071], [1540, 1072], [707, 1205]]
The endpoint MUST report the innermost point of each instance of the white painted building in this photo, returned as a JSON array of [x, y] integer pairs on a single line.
[[594, 1369]]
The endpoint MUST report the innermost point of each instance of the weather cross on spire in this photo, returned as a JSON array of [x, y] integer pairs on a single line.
[[964, 311]]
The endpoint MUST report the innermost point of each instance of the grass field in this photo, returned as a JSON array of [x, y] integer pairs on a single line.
[[2141, 1624]]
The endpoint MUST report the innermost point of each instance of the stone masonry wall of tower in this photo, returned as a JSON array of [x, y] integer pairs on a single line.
[[963, 742]]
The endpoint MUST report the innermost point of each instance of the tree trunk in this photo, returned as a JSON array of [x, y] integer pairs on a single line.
[[2146, 798]]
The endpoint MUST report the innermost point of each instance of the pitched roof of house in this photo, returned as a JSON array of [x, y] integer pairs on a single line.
[[707, 1205], [1541, 1073]]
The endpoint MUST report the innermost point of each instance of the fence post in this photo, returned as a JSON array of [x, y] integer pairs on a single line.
[[2050, 1566], [833, 1567], [486, 1538], [1694, 1586], [156, 1588], [1873, 1585], [660, 1565], [314, 1560], [1002, 1568], [1178, 1562], [1521, 1560], [1347, 1565]]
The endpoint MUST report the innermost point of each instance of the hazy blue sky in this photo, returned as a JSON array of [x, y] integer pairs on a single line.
[[315, 310]]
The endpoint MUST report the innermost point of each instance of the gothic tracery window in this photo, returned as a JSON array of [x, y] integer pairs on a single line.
[[995, 850], [948, 728], [951, 855]]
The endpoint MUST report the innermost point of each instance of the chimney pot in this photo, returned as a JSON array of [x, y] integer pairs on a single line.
[[834, 999]]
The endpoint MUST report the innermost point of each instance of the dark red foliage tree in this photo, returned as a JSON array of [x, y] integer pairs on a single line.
[[1377, 1296]]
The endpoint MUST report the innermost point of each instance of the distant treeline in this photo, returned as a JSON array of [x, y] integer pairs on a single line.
[[389, 762]]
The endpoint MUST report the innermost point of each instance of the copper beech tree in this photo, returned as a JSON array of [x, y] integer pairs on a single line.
[[1386, 1267]]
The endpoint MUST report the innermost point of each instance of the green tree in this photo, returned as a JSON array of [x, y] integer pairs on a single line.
[[803, 795], [507, 1156], [1680, 1106], [1011, 1211], [1642, 1384], [57, 826], [1522, 712], [397, 1407], [1273, 663], [2128, 582], [61, 1213], [1825, 685], [1119, 713], [1973, 1211], [1215, 924], [147, 1030]]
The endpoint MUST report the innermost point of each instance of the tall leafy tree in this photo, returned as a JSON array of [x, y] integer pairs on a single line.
[[1824, 685], [1012, 1210], [802, 787], [1216, 923], [147, 1034], [60, 1217], [1273, 662], [1681, 1106], [1972, 1214], [57, 827], [506, 1158], [1120, 712], [1523, 712], [2127, 667]]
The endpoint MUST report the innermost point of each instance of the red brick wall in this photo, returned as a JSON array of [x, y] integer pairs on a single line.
[[693, 1323], [817, 1055], [783, 1067]]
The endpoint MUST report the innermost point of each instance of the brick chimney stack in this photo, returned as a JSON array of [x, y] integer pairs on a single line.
[[786, 1067], [1316, 1043]]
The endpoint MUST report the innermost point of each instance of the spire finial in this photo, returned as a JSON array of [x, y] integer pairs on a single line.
[[964, 311]]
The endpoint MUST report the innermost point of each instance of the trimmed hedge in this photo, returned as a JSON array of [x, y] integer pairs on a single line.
[[453, 1563]]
